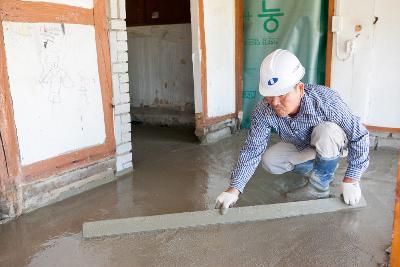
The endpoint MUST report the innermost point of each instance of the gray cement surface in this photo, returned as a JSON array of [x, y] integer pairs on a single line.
[[107, 228], [174, 174]]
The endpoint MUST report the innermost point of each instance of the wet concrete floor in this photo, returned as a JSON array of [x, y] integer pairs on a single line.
[[173, 173]]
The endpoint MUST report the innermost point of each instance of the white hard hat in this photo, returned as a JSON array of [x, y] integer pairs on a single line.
[[279, 72]]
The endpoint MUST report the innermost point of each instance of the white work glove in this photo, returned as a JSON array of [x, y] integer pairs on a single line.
[[351, 193], [224, 201]]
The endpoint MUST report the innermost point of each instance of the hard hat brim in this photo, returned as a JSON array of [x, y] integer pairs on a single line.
[[269, 92]]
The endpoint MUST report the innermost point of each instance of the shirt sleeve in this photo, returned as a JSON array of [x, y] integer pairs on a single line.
[[251, 152], [358, 138]]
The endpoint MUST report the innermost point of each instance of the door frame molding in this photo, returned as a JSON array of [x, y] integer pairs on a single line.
[[202, 119]]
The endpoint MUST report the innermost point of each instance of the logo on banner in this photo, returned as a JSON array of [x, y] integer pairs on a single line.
[[271, 24]]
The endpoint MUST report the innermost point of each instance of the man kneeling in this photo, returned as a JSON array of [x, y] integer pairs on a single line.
[[316, 129]]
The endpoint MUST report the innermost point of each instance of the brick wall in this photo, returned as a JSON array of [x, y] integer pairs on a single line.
[[120, 80]]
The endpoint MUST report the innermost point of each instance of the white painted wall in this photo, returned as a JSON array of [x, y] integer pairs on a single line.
[[78, 3], [160, 63], [368, 79], [55, 88], [219, 27]]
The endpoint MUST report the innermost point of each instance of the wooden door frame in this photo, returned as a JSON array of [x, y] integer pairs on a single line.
[[329, 41], [21, 11], [395, 255], [203, 120]]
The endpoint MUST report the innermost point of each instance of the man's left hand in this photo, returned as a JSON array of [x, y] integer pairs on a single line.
[[351, 191]]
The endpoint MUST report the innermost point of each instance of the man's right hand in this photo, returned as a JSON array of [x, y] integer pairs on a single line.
[[226, 200]]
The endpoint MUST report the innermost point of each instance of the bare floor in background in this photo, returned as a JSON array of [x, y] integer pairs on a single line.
[[173, 173]]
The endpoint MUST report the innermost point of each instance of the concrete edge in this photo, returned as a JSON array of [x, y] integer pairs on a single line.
[[124, 172], [65, 178], [108, 228], [215, 136], [384, 139], [68, 191], [213, 133]]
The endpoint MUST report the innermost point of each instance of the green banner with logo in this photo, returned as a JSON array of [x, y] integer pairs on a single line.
[[299, 26]]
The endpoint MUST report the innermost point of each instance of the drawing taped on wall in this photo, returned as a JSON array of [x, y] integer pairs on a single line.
[[55, 88]]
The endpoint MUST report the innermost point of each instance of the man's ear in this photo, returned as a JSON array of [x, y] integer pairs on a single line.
[[300, 87]]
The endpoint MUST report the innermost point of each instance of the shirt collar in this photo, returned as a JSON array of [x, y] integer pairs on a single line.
[[306, 104]]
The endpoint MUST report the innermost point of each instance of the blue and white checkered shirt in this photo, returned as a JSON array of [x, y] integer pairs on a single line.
[[319, 104]]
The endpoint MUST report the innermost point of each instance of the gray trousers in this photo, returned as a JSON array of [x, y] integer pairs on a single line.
[[327, 139]]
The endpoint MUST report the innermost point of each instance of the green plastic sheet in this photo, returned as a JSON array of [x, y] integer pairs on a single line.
[[299, 26]]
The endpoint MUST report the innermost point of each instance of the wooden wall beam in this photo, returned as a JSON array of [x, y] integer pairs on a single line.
[[7, 125], [64, 162], [395, 256], [24, 11], [104, 64], [239, 31], [382, 129], [203, 66], [329, 44]]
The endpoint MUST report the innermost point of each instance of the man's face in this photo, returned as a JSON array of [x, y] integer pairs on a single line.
[[288, 104]]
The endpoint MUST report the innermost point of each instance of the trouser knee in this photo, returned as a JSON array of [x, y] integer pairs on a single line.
[[273, 165], [283, 157], [329, 140]]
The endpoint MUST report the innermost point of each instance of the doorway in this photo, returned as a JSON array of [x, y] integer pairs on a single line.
[[160, 63]]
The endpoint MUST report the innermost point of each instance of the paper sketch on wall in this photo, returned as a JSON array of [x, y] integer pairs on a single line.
[[55, 88]]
